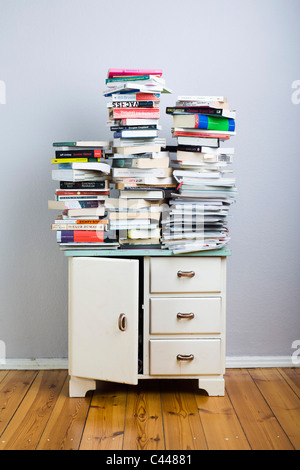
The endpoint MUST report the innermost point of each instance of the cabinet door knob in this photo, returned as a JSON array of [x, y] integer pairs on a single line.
[[186, 273], [185, 357], [185, 315], [122, 322]]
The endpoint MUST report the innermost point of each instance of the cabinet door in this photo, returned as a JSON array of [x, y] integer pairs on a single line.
[[103, 319]]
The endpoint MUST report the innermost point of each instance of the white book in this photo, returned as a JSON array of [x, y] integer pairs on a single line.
[[77, 175], [201, 98]]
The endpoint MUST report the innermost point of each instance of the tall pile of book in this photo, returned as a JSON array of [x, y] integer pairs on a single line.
[[83, 173], [198, 213], [140, 169]]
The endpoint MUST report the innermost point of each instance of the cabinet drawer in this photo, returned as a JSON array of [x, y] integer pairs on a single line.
[[185, 274], [185, 315], [185, 357]]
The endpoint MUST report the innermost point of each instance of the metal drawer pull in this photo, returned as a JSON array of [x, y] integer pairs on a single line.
[[185, 315], [186, 273], [182, 357], [122, 322]]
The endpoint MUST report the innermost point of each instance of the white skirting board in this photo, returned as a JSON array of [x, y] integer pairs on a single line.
[[232, 362]]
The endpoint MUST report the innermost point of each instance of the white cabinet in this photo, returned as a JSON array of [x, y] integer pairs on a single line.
[[165, 313]]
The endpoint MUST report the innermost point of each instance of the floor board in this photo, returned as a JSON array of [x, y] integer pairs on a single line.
[[260, 411]]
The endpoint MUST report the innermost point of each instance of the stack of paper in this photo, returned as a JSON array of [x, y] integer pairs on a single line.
[[198, 213], [140, 169], [83, 173]]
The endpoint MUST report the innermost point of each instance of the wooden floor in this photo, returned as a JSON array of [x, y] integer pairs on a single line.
[[261, 410]]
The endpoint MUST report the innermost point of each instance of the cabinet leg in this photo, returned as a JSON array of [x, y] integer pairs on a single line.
[[78, 387], [214, 386]]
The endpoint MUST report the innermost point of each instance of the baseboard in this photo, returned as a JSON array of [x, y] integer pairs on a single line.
[[248, 362], [34, 364], [232, 362]]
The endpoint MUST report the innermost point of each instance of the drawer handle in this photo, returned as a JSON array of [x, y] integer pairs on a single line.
[[186, 273], [122, 322], [185, 315], [185, 357]]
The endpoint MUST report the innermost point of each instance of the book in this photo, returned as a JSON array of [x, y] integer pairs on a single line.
[[130, 194], [182, 132], [137, 113], [140, 172], [124, 72], [184, 156], [90, 166], [143, 233], [86, 192], [65, 236], [198, 141], [202, 98], [78, 160], [69, 227], [135, 96], [77, 204], [82, 143], [136, 122], [136, 87], [79, 185], [83, 212], [132, 104], [87, 153], [128, 133], [76, 175], [140, 162], [131, 78], [151, 148], [199, 121]]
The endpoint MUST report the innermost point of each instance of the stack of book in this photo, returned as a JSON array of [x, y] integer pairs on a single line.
[[83, 173], [140, 169], [198, 213]]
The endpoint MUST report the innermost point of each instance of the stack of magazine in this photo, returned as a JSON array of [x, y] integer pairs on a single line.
[[198, 214]]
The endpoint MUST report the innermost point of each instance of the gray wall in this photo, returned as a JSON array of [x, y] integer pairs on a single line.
[[54, 57]]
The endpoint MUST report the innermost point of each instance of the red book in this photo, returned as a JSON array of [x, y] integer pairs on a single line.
[[135, 113], [128, 72], [83, 236]]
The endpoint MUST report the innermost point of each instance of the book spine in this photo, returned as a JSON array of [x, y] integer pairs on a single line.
[[133, 128], [75, 160], [138, 96], [118, 113], [133, 104], [82, 184], [70, 227], [97, 153], [193, 110], [126, 79], [123, 72], [65, 236], [99, 192]]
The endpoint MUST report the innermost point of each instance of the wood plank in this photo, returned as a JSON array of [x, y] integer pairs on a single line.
[[65, 426], [13, 388], [182, 425], [143, 424], [282, 400], [292, 377], [221, 426], [26, 426], [259, 423], [3, 373], [104, 428]]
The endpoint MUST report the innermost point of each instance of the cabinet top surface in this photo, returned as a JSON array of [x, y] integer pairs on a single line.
[[150, 252]]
